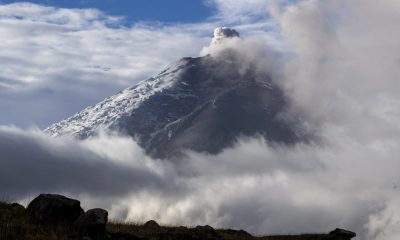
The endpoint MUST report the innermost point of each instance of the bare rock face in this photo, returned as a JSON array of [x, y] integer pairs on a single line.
[[92, 223], [54, 209]]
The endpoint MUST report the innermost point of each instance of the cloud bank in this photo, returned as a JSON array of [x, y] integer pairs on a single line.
[[263, 189], [32, 162], [340, 69]]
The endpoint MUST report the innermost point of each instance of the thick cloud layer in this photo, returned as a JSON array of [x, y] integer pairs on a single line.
[[31, 162], [303, 188], [341, 72]]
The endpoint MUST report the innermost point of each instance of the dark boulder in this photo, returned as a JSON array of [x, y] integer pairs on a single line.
[[151, 224], [205, 228], [92, 223], [206, 232], [54, 209], [16, 207], [342, 234]]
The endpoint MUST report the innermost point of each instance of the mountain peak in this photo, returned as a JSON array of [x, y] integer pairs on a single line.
[[222, 33], [202, 104]]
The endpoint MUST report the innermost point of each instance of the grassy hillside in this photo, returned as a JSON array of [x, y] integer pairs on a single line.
[[169, 232], [15, 224]]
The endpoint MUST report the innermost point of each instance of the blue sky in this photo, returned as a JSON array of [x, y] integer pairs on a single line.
[[140, 10]]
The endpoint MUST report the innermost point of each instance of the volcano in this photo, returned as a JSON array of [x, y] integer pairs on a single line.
[[202, 104]]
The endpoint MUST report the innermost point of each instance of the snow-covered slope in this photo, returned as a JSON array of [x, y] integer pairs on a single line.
[[107, 112]]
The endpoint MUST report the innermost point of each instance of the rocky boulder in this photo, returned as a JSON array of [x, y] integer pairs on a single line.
[[151, 224], [92, 223], [206, 232], [206, 228], [342, 234], [16, 207], [54, 209]]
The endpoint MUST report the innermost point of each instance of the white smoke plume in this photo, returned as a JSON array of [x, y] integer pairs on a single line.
[[222, 33]]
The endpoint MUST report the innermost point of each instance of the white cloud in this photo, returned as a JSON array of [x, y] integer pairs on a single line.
[[76, 57], [316, 187], [32, 162], [341, 72], [68, 18], [240, 11]]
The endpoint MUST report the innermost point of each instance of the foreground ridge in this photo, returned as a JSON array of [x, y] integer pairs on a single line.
[[56, 217]]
